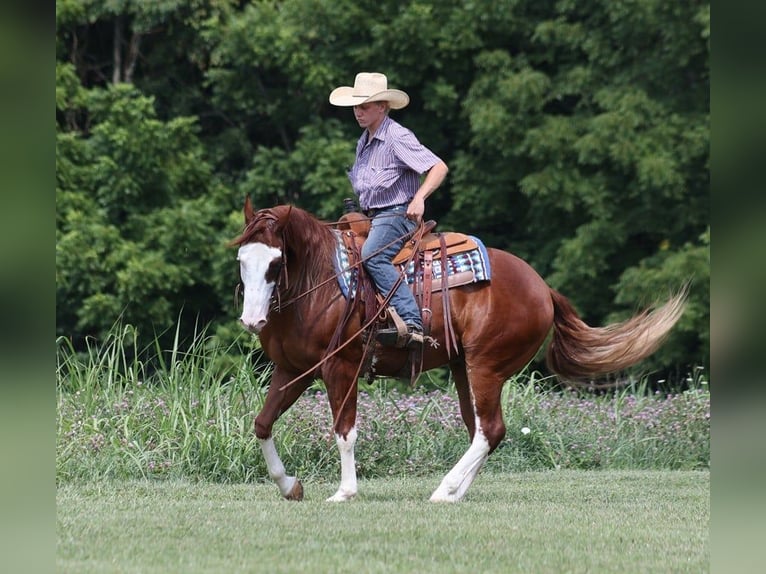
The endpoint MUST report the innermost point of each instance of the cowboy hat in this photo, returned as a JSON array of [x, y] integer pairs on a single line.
[[369, 87]]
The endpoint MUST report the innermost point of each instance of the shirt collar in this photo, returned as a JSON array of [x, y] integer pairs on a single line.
[[382, 130]]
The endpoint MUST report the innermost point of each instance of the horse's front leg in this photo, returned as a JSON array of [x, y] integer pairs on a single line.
[[347, 489], [342, 393], [278, 401]]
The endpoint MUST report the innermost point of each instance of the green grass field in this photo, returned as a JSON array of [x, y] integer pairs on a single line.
[[554, 521], [158, 470]]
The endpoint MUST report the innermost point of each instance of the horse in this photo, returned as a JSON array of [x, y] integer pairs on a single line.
[[293, 304]]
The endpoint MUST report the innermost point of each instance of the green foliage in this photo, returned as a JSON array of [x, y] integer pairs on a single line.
[[577, 136], [307, 175], [137, 207], [121, 416], [187, 413]]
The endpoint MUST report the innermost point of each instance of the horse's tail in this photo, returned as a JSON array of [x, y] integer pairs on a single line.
[[578, 351]]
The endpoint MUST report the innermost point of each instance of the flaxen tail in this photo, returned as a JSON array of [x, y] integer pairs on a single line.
[[578, 351]]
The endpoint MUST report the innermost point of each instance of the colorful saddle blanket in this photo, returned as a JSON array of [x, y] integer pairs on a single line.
[[462, 268]]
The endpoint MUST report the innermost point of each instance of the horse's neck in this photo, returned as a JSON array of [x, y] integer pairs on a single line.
[[315, 269]]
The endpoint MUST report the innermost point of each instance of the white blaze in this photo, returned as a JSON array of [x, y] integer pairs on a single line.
[[254, 260]]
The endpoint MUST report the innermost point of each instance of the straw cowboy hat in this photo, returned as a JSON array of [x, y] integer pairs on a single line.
[[369, 87]]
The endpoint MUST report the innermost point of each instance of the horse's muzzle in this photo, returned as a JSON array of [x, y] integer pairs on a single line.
[[253, 327]]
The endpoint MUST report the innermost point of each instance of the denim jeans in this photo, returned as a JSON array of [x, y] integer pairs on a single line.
[[387, 226]]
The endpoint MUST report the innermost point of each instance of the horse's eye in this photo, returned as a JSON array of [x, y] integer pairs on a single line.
[[273, 271]]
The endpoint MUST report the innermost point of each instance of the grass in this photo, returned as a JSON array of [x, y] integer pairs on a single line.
[[552, 521], [158, 470], [188, 419]]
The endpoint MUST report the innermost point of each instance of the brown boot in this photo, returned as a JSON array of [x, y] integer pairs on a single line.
[[414, 337]]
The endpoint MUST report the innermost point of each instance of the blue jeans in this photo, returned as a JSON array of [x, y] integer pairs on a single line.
[[388, 226]]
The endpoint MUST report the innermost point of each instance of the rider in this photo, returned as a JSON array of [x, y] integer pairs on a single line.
[[386, 176]]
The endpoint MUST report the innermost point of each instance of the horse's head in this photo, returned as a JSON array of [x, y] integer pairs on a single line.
[[261, 258]]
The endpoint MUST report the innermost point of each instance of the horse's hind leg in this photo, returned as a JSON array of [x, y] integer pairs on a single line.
[[482, 397], [457, 367], [277, 401]]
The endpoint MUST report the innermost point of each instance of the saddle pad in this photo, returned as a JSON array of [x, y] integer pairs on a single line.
[[467, 267], [347, 277], [475, 261]]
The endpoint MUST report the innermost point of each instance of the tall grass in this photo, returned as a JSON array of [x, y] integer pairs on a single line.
[[181, 416], [187, 417]]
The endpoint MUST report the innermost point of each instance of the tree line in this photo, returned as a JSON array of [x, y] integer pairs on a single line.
[[577, 136]]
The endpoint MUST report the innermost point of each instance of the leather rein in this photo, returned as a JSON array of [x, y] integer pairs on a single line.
[[278, 305], [336, 345]]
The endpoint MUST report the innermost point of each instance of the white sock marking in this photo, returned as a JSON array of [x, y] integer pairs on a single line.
[[348, 488]]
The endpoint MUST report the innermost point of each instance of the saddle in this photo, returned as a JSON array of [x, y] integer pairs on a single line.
[[424, 240], [422, 248]]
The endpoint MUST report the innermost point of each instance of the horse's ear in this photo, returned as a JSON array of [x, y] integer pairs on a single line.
[[283, 221], [248, 210], [281, 217]]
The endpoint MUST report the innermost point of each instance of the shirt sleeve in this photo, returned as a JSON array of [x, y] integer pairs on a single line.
[[410, 152]]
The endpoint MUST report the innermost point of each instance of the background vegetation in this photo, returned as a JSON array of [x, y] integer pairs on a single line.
[[577, 134], [117, 419], [157, 470]]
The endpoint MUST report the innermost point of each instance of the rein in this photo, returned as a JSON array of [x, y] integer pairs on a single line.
[[353, 265], [277, 303], [367, 323], [365, 350]]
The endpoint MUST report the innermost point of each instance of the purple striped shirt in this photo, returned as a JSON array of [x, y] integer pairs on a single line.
[[387, 169]]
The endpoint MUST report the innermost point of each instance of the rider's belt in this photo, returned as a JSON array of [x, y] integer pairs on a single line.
[[374, 211]]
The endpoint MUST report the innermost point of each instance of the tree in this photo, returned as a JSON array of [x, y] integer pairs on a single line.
[[577, 135], [137, 214]]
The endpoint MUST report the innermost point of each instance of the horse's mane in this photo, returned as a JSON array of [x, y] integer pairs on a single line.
[[309, 245], [313, 244]]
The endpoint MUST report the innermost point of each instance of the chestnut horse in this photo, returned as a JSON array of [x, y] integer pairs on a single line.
[[293, 303]]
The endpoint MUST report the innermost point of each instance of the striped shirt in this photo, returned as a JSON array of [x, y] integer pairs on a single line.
[[387, 169]]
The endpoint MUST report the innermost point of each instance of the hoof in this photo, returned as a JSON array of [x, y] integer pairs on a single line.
[[440, 496], [296, 493], [444, 499], [341, 497]]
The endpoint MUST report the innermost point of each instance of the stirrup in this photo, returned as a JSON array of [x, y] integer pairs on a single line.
[[396, 336], [392, 337]]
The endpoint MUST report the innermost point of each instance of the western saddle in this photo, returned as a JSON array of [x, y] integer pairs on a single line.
[[422, 248]]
